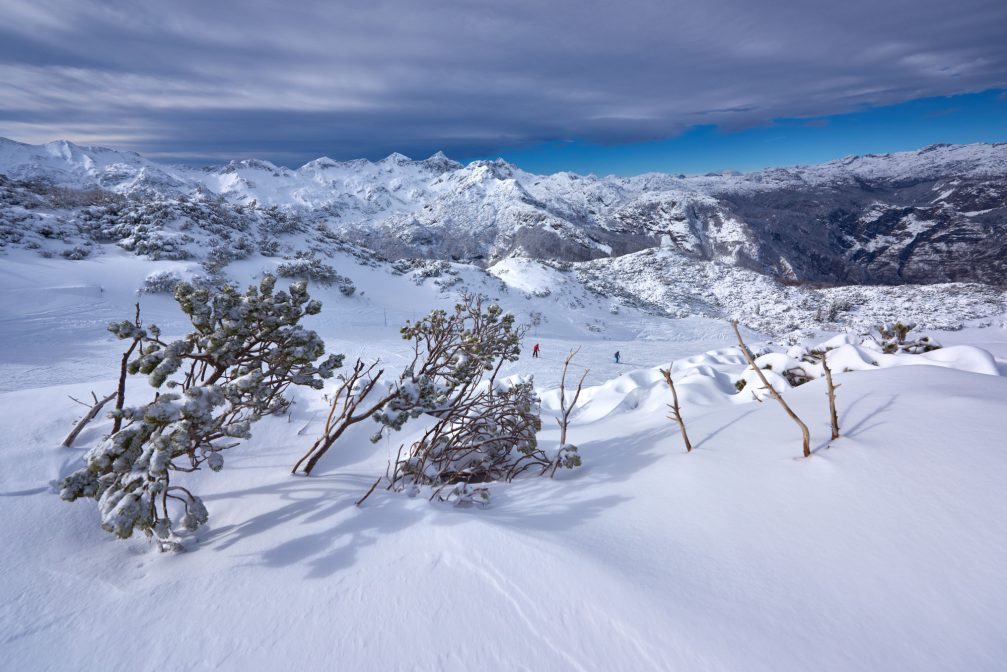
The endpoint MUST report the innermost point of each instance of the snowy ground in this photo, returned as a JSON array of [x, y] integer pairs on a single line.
[[884, 550]]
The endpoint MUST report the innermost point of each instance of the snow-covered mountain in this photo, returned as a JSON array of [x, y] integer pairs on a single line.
[[63, 163], [935, 215], [882, 550]]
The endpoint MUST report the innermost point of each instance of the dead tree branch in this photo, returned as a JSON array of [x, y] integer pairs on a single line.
[[120, 393], [676, 412], [91, 415], [565, 411], [772, 391], [368, 493], [349, 396], [832, 395]]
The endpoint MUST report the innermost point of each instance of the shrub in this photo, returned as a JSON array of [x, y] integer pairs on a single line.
[[487, 435], [76, 253], [309, 267], [269, 247], [161, 282], [217, 258], [485, 428], [895, 338], [245, 350]]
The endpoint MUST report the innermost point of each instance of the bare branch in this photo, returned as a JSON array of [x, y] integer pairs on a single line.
[[831, 394], [676, 413], [91, 415], [772, 391], [120, 394], [368, 493], [353, 389], [565, 411]]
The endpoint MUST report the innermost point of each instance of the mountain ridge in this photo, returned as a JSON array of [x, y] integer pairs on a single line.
[[932, 215]]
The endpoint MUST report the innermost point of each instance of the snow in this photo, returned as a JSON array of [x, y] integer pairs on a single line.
[[495, 215], [883, 550], [484, 197]]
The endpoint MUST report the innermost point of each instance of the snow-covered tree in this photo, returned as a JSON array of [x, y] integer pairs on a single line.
[[308, 266], [486, 428], [245, 350], [451, 352], [487, 435], [894, 338]]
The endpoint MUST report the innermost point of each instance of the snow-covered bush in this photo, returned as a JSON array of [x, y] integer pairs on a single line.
[[242, 248], [245, 350], [422, 269], [269, 247], [275, 222], [448, 282], [894, 337], [77, 252], [217, 258], [161, 282], [307, 266], [485, 429], [833, 309], [451, 353], [157, 245], [487, 435]]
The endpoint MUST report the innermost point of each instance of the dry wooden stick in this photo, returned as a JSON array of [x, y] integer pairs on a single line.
[[772, 391], [91, 415], [832, 396], [348, 398], [676, 413], [368, 493], [564, 419]]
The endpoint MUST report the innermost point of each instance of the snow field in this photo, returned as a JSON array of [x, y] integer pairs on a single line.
[[883, 550]]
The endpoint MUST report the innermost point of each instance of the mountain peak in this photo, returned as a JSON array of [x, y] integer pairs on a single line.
[[440, 161], [396, 158]]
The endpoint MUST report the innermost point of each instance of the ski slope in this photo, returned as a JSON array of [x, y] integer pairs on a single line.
[[883, 550]]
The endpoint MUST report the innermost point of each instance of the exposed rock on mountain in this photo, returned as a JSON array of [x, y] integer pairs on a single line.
[[935, 215]]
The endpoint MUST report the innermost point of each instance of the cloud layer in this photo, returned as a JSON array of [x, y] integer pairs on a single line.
[[290, 81]]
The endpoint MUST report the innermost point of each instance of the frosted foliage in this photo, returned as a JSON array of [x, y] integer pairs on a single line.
[[490, 435], [894, 337], [485, 429], [451, 352], [228, 372], [161, 282], [310, 267]]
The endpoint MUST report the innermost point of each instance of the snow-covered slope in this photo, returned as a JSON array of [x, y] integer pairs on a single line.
[[883, 550], [718, 246], [66, 164]]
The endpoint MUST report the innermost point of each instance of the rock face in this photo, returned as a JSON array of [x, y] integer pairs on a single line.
[[882, 232], [935, 215]]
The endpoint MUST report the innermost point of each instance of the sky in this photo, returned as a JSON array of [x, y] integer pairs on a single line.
[[583, 85]]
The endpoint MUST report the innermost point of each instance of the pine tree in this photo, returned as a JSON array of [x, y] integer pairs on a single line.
[[245, 350]]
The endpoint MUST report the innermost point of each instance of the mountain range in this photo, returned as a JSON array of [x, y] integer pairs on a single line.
[[938, 214]]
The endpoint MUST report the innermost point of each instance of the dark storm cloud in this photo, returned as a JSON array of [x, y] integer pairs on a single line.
[[203, 80]]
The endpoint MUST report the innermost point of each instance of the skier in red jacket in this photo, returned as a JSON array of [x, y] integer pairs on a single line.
[[534, 351]]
